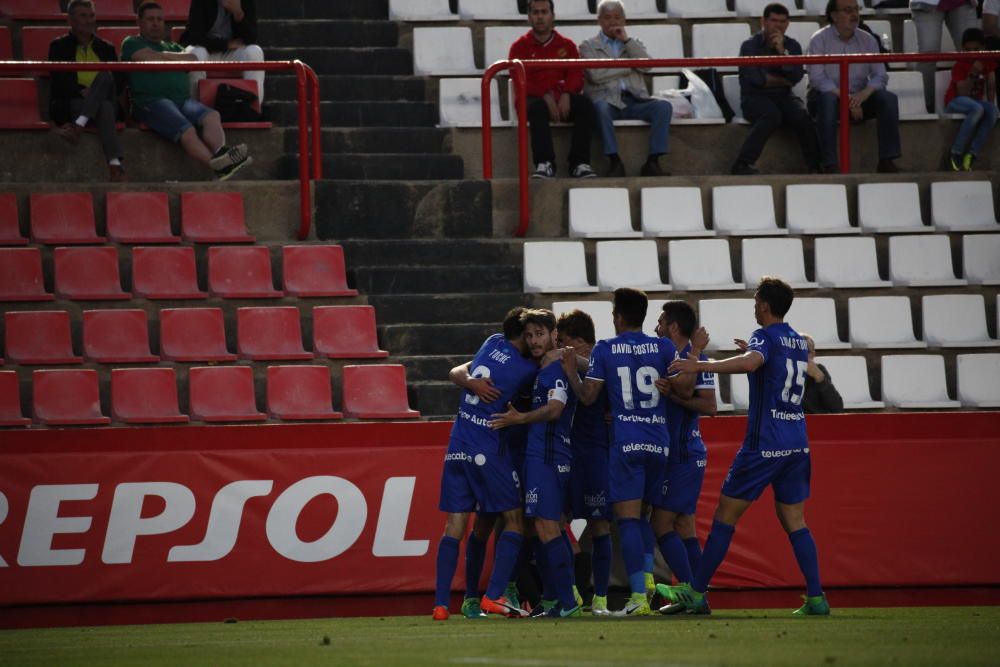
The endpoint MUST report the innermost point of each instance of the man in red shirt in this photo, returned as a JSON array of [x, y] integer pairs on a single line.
[[554, 95]]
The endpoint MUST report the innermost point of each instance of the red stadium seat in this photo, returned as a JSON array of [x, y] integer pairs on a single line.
[[21, 275], [66, 397], [165, 273], [35, 41], [176, 32], [6, 51], [270, 333], [88, 274], [315, 270], [223, 394], [193, 334], [116, 337], [376, 392], [10, 401], [10, 228], [19, 105], [39, 337], [115, 34], [241, 272], [117, 10], [175, 10], [213, 217], [300, 392], [33, 10], [63, 218], [346, 332], [139, 217], [145, 396]]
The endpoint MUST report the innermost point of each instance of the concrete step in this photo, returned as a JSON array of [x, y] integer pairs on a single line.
[[429, 367], [323, 9], [342, 88], [327, 60], [378, 140], [420, 252], [443, 308], [426, 339], [357, 114], [393, 167], [435, 400], [339, 33], [437, 279]]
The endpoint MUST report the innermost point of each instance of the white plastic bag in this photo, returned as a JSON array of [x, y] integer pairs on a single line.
[[701, 96]]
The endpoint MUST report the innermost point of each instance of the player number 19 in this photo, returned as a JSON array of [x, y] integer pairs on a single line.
[[797, 372], [645, 381]]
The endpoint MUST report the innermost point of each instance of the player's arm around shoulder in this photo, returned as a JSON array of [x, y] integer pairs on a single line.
[[753, 357], [587, 390], [551, 411]]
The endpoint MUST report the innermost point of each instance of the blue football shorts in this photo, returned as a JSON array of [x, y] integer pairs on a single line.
[[589, 484], [637, 471], [546, 489], [683, 486], [478, 478], [788, 471]]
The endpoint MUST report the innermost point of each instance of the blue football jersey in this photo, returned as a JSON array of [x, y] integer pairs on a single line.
[[550, 440], [590, 428], [511, 373], [685, 434], [629, 366], [775, 420]]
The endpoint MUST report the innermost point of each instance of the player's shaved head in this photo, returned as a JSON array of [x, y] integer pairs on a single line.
[[630, 305], [577, 324], [777, 294], [682, 314], [512, 325]]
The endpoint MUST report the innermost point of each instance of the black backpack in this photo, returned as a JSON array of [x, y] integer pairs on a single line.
[[235, 105]]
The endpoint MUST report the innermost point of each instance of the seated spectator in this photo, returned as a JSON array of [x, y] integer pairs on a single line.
[[766, 93], [929, 19], [162, 100], [554, 95], [865, 86], [973, 92], [224, 30], [819, 395], [79, 99], [621, 93]]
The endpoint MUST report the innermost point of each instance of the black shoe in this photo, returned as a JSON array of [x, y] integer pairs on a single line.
[[887, 167], [741, 168], [615, 167], [653, 168]]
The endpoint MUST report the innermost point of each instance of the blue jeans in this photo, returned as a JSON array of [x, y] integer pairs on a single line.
[[169, 120], [882, 105], [655, 112], [980, 117]]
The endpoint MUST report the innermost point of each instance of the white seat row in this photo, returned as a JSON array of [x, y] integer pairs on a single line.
[[812, 209]]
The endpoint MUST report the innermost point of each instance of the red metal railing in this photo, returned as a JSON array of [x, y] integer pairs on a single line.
[[307, 96], [519, 69]]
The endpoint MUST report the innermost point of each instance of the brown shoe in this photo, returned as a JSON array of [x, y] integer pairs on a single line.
[[70, 132], [615, 167], [116, 174], [887, 167], [653, 168]]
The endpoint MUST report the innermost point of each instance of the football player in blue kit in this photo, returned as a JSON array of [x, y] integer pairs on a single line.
[[478, 472], [629, 365], [688, 456], [775, 450]]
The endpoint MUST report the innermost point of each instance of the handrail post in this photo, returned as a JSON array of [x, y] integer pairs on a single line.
[[305, 194], [486, 96], [317, 128], [844, 135], [521, 86]]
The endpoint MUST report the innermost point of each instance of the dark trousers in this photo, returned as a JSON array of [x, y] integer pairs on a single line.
[[99, 107], [581, 115], [882, 105], [766, 114]]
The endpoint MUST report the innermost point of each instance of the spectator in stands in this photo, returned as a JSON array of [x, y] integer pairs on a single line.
[[973, 92], [224, 30], [819, 395], [929, 19], [79, 99], [554, 95], [865, 85], [766, 93], [621, 93], [161, 99]]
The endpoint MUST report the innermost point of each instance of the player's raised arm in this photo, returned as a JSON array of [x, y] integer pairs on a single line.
[[480, 386], [587, 391], [745, 363], [551, 411]]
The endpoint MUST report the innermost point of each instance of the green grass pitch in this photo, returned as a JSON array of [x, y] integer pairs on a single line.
[[898, 636]]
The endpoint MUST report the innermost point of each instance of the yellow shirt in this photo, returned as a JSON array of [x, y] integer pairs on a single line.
[[85, 54]]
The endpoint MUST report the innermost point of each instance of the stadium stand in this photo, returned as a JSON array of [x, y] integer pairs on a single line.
[[955, 320], [270, 334], [744, 210], [193, 335], [755, 8], [66, 397], [850, 374], [775, 257], [720, 404], [88, 274], [881, 322], [35, 42], [40, 337], [629, 264], [6, 49], [963, 206], [346, 332], [213, 217], [977, 380], [21, 275], [489, 10], [145, 396], [909, 90], [300, 393], [912, 381], [555, 266], [443, 51], [236, 272], [119, 336], [890, 208], [739, 392], [922, 261], [848, 263], [139, 218], [698, 9], [420, 10], [599, 311], [726, 319], [718, 40], [815, 209], [673, 212], [223, 394], [700, 265], [314, 271], [981, 259], [817, 316], [376, 392], [10, 400], [63, 218], [19, 105], [460, 103], [600, 213], [165, 273], [10, 226]]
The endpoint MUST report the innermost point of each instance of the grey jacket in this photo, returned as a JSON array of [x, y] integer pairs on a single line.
[[602, 84]]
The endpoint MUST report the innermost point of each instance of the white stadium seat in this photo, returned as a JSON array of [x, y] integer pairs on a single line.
[[443, 52], [848, 262], [718, 40], [460, 103], [981, 258], [643, 9], [755, 8], [963, 206], [744, 210], [956, 320], [915, 381], [653, 310], [673, 212], [700, 265], [909, 89], [894, 10], [818, 318], [881, 322], [661, 41], [818, 8], [490, 10], [555, 266], [921, 261], [802, 32], [739, 391], [698, 9], [721, 405], [731, 89], [497, 41], [726, 319], [978, 378], [629, 264], [600, 213], [775, 257], [890, 207], [818, 208], [942, 79], [599, 311], [420, 10], [574, 10], [849, 375]]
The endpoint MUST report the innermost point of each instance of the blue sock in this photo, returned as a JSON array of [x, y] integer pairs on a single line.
[[447, 561], [542, 561], [600, 559], [560, 571], [805, 553], [571, 555], [694, 553], [676, 556], [648, 545], [715, 552], [475, 554], [630, 533], [508, 549]]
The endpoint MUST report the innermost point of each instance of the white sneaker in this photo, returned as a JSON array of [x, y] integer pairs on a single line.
[[584, 170], [544, 170], [233, 155], [599, 606]]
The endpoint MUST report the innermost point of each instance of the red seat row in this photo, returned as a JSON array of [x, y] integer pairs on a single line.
[[217, 394], [43, 337], [115, 10], [92, 273]]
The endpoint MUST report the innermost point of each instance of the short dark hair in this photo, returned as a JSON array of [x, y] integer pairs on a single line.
[[775, 8], [973, 35], [512, 327], [631, 305], [681, 313], [831, 7], [776, 293], [73, 4], [539, 316], [146, 6], [528, 3], [577, 324]]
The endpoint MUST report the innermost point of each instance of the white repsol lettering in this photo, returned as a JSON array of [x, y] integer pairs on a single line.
[[223, 522], [3, 517], [352, 512], [42, 522], [126, 522], [390, 532]]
